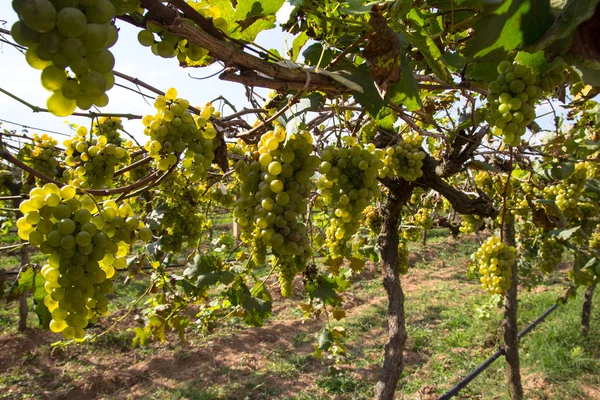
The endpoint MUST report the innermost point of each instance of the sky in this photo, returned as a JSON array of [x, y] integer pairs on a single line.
[[17, 77]]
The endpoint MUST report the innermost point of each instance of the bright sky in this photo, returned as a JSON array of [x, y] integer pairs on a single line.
[[17, 77]]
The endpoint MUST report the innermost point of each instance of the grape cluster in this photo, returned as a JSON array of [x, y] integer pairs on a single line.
[[595, 241], [495, 259], [406, 158], [512, 99], [72, 34], [175, 131], [348, 184], [92, 160], [84, 246], [109, 127], [372, 220], [42, 155], [567, 193], [411, 233], [169, 45], [468, 223], [423, 218], [181, 207], [550, 254], [274, 195]]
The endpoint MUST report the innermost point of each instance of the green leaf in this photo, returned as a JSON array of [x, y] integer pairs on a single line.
[[573, 14], [370, 98], [405, 90], [452, 5], [257, 309], [400, 8], [31, 280], [514, 24], [483, 71], [537, 62], [312, 55], [430, 51], [564, 234], [200, 264], [324, 339], [324, 289], [297, 45]]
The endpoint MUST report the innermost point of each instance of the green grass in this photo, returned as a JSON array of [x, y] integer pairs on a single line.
[[446, 341]]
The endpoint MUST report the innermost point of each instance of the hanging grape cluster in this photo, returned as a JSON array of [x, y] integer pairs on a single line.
[[403, 257], [468, 223], [567, 193], [92, 160], [512, 99], [495, 259], [110, 128], [406, 158], [348, 184], [550, 254], [179, 205], [84, 246], [372, 220], [42, 155], [274, 196], [174, 132], [69, 41], [169, 45]]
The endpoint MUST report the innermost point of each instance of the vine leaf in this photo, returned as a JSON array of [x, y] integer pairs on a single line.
[[572, 15], [537, 61], [324, 339], [405, 91], [31, 280], [513, 24], [324, 289], [564, 234]]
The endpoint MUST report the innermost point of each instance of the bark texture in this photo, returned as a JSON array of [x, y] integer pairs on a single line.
[[388, 242], [511, 331], [586, 311]]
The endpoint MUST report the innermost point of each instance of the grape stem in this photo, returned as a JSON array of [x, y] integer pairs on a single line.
[[505, 195]]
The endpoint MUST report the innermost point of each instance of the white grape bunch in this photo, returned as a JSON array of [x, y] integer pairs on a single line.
[[69, 42], [495, 259]]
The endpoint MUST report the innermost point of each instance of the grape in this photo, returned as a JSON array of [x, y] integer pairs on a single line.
[[495, 260], [273, 198], [406, 158], [39, 15], [567, 193], [75, 35], [512, 99], [72, 276], [71, 22], [146, 38], [175, 133], [550, 254], [346, 189]]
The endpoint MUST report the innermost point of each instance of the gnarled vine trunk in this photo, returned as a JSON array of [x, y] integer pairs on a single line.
[[512, 372], [586, 311], [388, 242]]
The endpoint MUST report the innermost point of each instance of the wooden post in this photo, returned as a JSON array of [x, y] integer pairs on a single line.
[[511, 330]]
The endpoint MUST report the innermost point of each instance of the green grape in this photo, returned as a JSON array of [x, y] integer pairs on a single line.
[[273, 198], [146, 38], [495, 260], [406, 158], [71, 22], [550, 254], [174, 133], [39, 15], [72, 276]]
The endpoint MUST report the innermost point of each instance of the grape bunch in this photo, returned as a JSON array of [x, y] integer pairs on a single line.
[[468, 223], [84, 246], [169, 45], [512, 99], [42, 155], [372, 220], [423, 218], [69, 41], [567, 192], [595, 241], [174, 131], [348, 184], [406, 158], [180, 207], [550, 254], [109, 127], [274, 196], [92, 161], [495, 259]]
